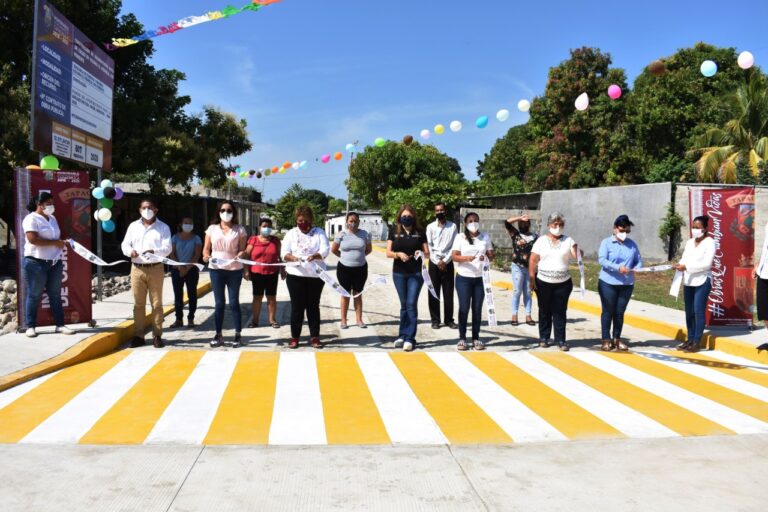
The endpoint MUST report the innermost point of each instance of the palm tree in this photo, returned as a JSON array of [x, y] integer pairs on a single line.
[[743, 138]]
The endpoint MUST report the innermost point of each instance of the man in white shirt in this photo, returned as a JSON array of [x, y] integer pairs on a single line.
[[440, 237], [147, 235]]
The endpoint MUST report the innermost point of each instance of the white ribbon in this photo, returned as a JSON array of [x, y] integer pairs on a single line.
[[88, 255], [674, 290], [489, 307], [657, 268], [581, 271], [425, 273], [326, 277], [156, 258], [222, 262], [378, 281]]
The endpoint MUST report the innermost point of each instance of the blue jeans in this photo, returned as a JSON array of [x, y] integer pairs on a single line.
[[230, 279], [614, 298], [191, 280], [522, 285], [38, 276], [695, 309], [408, 287], [471, 293]]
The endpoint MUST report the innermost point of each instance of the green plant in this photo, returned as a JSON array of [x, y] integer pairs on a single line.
[[669, 231]]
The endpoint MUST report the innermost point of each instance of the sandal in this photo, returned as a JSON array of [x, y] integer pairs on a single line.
[[343, 325], [564, 346], [514, 322], [253, 325], [544, 344], [362, 325], [478, 345], [607, 346], [275, 325], [530, 322], [461, 345], [620, 345]]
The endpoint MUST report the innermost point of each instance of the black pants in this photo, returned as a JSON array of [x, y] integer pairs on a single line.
[[442, 281], [191, 280], [305, 296], [553, 305], [762, 298]]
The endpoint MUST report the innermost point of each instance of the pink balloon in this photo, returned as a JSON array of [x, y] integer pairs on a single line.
[[325, 159], [614, 91]]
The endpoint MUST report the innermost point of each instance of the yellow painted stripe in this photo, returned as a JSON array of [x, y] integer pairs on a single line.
[[714, 392], [571, 420], [133, 417], [669, 414], [245, 411], [351, 415], [460, 419], [735, 370], [24, 414]]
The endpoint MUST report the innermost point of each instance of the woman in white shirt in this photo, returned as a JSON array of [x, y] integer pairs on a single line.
[[470, 249], [551, 280], [308, 245], [696, 264], [42, 267]]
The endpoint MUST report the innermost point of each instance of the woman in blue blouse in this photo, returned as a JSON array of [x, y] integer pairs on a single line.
[[618, 257]]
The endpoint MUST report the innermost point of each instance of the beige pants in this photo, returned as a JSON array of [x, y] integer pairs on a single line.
[[143, 280]]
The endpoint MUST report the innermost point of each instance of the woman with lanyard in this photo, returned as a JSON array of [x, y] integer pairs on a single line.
[[264, 248], [551, 280], [42, 267], [618, 257], [696, 265], [225, 240], [522, 242], [308, 245], [470, 249], [403, 243], [352, 246], [187, 248]]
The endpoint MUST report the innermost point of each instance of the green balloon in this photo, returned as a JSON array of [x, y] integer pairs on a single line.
[[267, 172], [107, 203], [49, 163], [380, 142]]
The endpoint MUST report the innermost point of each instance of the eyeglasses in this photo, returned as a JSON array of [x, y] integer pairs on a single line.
[[224, 210]]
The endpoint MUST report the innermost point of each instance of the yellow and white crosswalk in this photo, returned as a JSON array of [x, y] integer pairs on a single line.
[[316, 398]]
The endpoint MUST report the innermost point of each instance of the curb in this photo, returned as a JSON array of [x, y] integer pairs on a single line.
[[671, 331], [92, 347]]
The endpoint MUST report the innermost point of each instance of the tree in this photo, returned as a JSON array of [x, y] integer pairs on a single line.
[[502, 170], [671, 168], [423, 196], [337, 206], [295, 196]]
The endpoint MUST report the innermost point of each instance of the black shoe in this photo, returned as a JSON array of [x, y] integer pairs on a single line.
[[452, 325], [177, 323], [238, 341], [157, 341], [544, 343], [136, 341], [435, 325], [564, 346], [217, 341]]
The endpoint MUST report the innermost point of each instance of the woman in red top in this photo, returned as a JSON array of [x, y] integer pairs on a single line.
[[264, 248]]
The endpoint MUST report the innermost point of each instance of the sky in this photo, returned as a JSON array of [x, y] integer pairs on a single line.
[[311, 76]]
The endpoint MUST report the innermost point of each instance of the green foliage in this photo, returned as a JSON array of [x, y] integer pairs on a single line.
[[762, 176], [671, 168], [509, 156], [669, 231], [423, 196], [336, 206], [744, 175], [295, 196]]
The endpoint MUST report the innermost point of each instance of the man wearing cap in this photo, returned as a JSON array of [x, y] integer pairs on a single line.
[[618, 257]]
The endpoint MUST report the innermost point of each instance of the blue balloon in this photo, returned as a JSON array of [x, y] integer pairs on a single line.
[[482, 122], [708, 68], [98, 193], [107, 183], [108, 225]]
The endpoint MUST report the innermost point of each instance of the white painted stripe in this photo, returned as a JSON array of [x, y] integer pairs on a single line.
[[189, 415], [298, 414], [9, 396], [741, 361], [404, 416], [623, 418], [713, 411], [514, 417], [73, 420], [710, 374]]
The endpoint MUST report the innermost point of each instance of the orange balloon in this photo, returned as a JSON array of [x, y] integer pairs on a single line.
[[286, 165], [275, 169], [338, 156]]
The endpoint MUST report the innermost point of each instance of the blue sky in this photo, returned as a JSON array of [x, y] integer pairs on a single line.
[[309, 76]]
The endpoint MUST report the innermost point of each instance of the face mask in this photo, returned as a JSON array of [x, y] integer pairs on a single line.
[[621, 236], [303, 226], [473, 227], [226, 216], [148, 213], [697, 233], [266, 231], [187, 227], [440, 216], [353, 225], [406, 220], [555, 231], [48, 210]]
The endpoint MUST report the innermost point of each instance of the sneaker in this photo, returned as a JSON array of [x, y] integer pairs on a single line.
[[461, 345], [63, 329], [435, 325], [238, 341], [407, 346], [315, 342], [217, 341], [190, 322], [398, 342], [564, 346], [31, 333], [478, 345], [294, 343], [544, 343]]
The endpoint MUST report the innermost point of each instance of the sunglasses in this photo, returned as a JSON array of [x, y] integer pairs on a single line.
[[225, 210]]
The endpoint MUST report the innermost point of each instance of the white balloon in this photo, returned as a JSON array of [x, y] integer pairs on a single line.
[[523, 105], [425, 134], [456, 126], [107, 183], [746, 60], [582, 102], [96, 215], [502, 115], [104, 214], [296, 165]]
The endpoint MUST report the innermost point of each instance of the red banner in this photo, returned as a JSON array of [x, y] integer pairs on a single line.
[[731, 215], [71, 196]]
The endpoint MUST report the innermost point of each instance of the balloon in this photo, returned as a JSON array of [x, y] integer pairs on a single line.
[[523, 105], [303, 165], [258, 175], [439, 129], [108, 225], [286, 165], [295, 166], [708, 68], [582, 102], [49, 163], [325, 159], [657, 68], [746, 60], [98, 193], [34, 168], [380, 142], [109, 192], [105, 214], [425, 134], [107, 183], [338, 155], [350, 147], [107, 203], [267, 172], [118, 193], [252, 172], [502, 115], [275, 169], [408, 140], [96, 215], [481, 122], [455, 126], [614, 92], [282, 170]]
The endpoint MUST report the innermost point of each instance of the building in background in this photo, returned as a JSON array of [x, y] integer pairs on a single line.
[[370, 221]]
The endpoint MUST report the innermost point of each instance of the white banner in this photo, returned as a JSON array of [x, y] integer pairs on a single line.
[[490, 309], [657, 268], [152, 257], [674, 290], [425, 273], [88, 255], [581, 271]]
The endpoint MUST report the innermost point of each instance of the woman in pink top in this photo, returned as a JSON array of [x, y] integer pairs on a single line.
[[225, 240]]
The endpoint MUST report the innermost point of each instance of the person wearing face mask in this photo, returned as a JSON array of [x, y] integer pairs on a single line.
[[618, 257], [470, 249], [551, 280], [187, 248], [352, 246], [696, 265], [225, 239], [146, 235], [522, 243], [403, 242], [264, 248], [306, 244], [42, 268], [440, 236]]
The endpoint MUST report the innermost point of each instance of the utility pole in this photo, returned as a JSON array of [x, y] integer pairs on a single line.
[[349, 169]]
